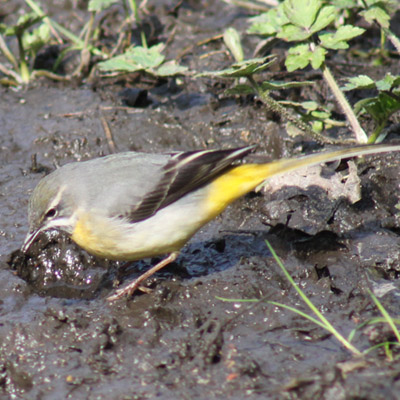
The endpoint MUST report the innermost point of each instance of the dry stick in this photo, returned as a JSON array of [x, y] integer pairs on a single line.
[[121, 38], [212, 53], [361, 137], [11, 73], [393, 38], [107, 131], [50, 75], [72, 114], [4, 48], [85, 52], [253, 5], [189, 48], [171, 36]]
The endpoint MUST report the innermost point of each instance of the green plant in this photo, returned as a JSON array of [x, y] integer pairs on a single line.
[[319, 116], [29, 43], [317, 28], [139, 58], [379, 107], [378, 11], [301, 21], [385, 319], [323, 322], [244, 71]]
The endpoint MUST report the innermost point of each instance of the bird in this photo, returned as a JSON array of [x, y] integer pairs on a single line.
[[133, 205]]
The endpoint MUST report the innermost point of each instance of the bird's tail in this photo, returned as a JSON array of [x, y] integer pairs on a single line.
[[246, 177]]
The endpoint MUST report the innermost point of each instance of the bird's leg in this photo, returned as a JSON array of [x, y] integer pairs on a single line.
[[129, 289]]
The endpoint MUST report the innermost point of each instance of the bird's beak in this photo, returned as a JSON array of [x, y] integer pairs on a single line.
[[30, 238]]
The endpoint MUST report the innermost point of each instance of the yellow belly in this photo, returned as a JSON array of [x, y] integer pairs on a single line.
[[117, 239]]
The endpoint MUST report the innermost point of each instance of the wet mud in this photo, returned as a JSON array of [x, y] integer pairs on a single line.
[[61, 338]]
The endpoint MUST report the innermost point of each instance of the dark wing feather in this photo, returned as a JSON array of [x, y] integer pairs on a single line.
[[183, 173]]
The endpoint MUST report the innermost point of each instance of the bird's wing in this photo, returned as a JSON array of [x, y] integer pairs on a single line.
[[183, 173]]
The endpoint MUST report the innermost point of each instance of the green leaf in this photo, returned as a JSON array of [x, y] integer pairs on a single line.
[[232, 42], [302, 12], [244, 68], [359, 82], [348, 32], [377, 14], [317, 126], [320, 114], [318, 57], [148, 57], [293, 33], [340, 4], [99, 5], [330, 41], [25, 21], [380, 108], [119, 63], [134, 59], [37, 39], [171, 68], [326, 16], [240, 89], [388, 82], [338, 40], [370, 3], [313, 111], [310, 105], [298, 57], [268, 23], [284, 85]]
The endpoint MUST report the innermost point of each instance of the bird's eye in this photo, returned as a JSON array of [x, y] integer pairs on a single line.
[[50, 213]]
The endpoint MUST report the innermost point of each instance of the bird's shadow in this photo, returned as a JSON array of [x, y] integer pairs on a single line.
[[57, 267], [204, 258]]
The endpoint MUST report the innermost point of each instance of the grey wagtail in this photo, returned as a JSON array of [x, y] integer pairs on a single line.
[[130, 206]]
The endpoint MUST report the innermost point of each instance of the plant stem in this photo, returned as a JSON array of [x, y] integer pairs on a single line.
[[386, 316], [361, 137], [6, 51], [134, 9], [275, 107], [23, 66], [50, 75], [135, 12], [54, 25], [36, 8], [143, 39], [85, 52], [10, 73], [375, 134], [327, 325]]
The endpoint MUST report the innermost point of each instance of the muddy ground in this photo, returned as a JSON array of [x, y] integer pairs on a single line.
[[60, 338]]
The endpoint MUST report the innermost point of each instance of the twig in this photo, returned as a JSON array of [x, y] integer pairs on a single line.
[[11, 73], [6, 51], [108, 133], [50, 75], [361, 137]]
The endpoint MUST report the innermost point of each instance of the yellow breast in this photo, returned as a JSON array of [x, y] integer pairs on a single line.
[[119, 239], [96, 235]]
